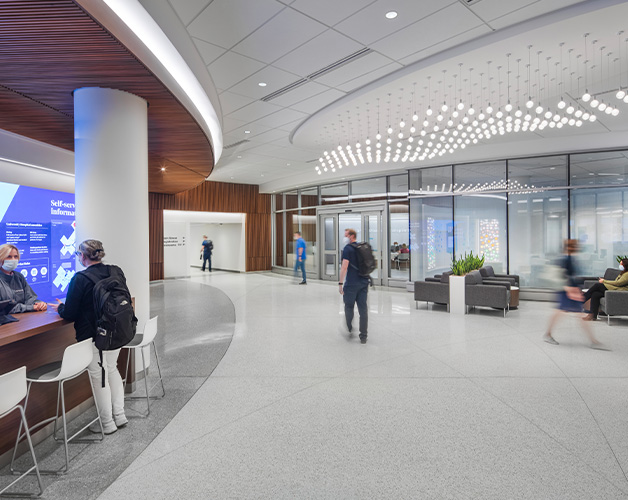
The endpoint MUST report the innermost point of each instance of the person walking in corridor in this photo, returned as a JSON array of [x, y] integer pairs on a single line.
[[353, 287], [299, 260]]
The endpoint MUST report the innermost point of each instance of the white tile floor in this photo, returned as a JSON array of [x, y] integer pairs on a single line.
[[434, 406]]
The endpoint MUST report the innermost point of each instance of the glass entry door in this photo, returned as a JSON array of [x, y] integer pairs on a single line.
[[368, 227], [329, 244]]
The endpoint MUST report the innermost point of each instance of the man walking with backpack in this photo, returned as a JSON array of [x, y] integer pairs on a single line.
[[356, 286]]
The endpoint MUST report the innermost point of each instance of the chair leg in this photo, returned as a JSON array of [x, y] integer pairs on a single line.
[[35, 467], [126, 371], [19, 431], [161, 379], [65, 431]]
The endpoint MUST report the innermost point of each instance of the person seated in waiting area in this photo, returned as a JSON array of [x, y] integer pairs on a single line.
[[597, 291], [394, 247], [404, 249], [13, 285]]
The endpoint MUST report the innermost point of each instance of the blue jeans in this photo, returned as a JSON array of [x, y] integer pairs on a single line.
[[357, 292], [207, 259], [300, 264]]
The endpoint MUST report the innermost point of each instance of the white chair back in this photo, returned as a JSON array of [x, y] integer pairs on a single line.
[[12, 389], [403, 256], [75, 359], [150, 332]]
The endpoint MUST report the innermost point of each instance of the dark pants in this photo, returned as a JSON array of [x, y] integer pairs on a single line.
[[207, 259], [595, 293], [357, 293], [300, 264]]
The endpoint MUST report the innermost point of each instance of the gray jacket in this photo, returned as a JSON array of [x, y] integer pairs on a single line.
[[20, 291]]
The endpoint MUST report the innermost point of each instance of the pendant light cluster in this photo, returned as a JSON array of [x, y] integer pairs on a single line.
[[473, 107]]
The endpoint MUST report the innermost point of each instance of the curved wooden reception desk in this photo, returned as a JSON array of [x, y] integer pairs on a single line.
[[36, 339]]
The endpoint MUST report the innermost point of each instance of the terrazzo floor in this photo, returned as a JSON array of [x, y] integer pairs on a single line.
[[434, 406]]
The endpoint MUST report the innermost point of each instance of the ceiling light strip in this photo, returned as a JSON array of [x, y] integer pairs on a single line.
[[148, 31]]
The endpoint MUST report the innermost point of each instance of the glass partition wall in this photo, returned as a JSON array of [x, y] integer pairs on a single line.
[[517, 213]]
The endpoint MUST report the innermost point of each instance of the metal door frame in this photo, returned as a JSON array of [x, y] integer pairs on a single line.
[[364, 209]]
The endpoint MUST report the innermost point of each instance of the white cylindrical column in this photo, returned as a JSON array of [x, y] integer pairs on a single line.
[[111, 163]]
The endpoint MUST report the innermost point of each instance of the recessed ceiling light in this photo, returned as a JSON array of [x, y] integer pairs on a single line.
[[287, 164], [163, 169], [239, 157], [391, 15], [262, 84], [262, 175], [247, 131]]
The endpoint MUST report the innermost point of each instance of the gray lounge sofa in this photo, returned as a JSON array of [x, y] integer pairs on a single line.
[[488, 274], [433, 290], [491, 293], [614, 302]]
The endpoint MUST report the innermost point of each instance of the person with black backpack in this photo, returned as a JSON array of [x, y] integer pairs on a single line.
[[357, 265], [99, 303]]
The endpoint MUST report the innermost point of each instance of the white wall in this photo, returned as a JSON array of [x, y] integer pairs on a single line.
[[229, 249], [176, 238], [226, 230]]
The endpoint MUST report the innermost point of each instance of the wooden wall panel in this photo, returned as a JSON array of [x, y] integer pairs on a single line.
[[216, 197], [50, 48]]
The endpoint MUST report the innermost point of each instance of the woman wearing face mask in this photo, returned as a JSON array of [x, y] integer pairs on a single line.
[[596, 292], [13, 285]]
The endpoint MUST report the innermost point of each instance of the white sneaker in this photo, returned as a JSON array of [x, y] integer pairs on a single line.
[[120, 420], [108, 428]]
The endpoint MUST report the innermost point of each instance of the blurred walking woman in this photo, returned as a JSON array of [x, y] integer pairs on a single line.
[[79, 307], [13, 285], [596, 292]]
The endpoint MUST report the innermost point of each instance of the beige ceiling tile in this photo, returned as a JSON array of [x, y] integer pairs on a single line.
[[299, 94], [370, 24], [188, 9], [369, 77], [232, 68], [319, 101], [274, 78], [330, 12], [316, 54], [442, 25], [226, 22], [285, 32]]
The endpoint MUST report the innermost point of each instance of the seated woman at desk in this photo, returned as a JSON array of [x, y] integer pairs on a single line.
[[13, 285], [404, 249]]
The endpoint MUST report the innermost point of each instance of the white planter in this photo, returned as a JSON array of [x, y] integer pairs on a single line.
[[456, 295]]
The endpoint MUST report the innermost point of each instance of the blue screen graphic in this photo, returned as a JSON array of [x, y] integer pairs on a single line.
[[41, 224]]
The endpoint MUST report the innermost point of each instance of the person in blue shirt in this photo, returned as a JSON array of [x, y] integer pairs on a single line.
[[300, 256], [355, 287], [206, 248]]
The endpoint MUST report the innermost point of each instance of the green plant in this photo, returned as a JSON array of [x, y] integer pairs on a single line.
[[620, 258], [465, 264]]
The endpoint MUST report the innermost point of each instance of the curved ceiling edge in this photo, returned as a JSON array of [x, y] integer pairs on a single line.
[[477, 43], [138, 31]]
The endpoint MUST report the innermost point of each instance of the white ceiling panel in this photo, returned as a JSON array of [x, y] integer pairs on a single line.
[[254, 111], [354, 69], [188, 9], [492, 9], [532, 10], [232, 68], [369, 77], [330, 12], [319, 101], [280, 118], [299, 94], [209, 52], [289, 127], [230, 124], [370, 23], [231, 102], [280, 35], [269, 136], [446, 44], [273, 77], [438, 27], [315, 54], [226, 22]]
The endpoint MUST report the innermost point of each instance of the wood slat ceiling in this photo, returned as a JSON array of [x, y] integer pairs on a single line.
[[49, 48]]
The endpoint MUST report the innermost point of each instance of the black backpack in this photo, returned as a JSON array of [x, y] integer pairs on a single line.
[[115, 320], [366, 260]]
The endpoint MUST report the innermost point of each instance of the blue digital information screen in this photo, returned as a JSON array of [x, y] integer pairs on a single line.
[[41, 224]]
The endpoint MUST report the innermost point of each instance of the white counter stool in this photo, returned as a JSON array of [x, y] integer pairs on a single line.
[[12, 391], [141, 340], [75, 360]]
